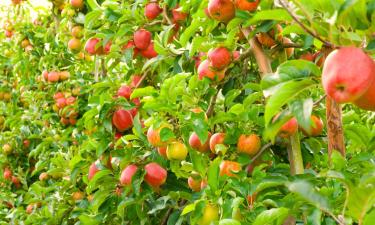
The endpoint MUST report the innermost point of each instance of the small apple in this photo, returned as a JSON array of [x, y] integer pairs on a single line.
[[7, 149], [122, 119], [43, 176], [316, 127], [289, 128], [127, 174], [219, 58], [74, 44], [77, 196], [53, 76], [125, 91], [7, 174], [77, 32], [153, 136], [92, 47], [204, 70], [155, 174], [229, 168], [248, 144], [178, 15], [149, 52], [142, 39], [61, 103], [152, 10], [196, 144], [93, 170], [162, 151], [247, 5], [221, 10], [215, 139], [78, 4], [176, 151], [194, 184]]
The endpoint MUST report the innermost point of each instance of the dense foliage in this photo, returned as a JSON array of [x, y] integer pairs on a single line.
[[162, 112]]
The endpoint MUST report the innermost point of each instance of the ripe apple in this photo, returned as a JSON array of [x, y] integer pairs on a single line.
[[64, 75], [221, 10], [340, 74], [92, 170], [316, 127], [194, 184], [247, 5], [198, 59], [8, 33], [127, 174], [61, 103], [155, 174], [77, 195], [153, 136], [78, 4], [162, 151], [122, 119], [289, 128], [29, 208], [215, 139], [43, 176], [229, 168], [130, 45], [196, 144], [91, 46], [210, 215], [308, 57], [248, 144], [176, 151], [204, 70], [219, 58], [26, 143], [70, 101], [7, 174], [142, 39], [178, 15], [45, 74], [152, 10], [367, 100], [25, 43], [16, 182], [53, 76], [77, 32], [7, 149], [125, 91], [149, 52], [74, 44]]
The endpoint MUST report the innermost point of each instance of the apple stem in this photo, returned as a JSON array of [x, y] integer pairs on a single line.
[[295, 155]]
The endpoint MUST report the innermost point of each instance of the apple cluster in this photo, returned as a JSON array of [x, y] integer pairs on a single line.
[[74, 43], [225, 10], [55, 76], [65, 106], [217, 62]]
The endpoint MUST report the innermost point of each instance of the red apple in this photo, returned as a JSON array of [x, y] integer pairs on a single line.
[[149, 52], [204, 70], [135, 81], [92, 47], [215, 139], [196, 144], [122, 119], [162, 151], [229, 168], [61, 103], [152, 10], [219, 58], [125, 91], [7, 174], [77, 4], [155, 174], [153, 137], [221, 10], [316, 127], [367, 100], [127, 174], [340, 77], [142, 39], [247, 5], [194, 184], [92, 170], [248, 144], [178, 15]]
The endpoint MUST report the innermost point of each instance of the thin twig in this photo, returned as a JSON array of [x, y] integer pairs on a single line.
[[263, 149], [166, 216], [141, 80], [156, 22], [165, 15], [319, 100], [104, 70], [308, 30], [210, 110]]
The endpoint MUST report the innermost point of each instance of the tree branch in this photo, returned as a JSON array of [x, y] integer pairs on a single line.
[[308, 30], [263, 149], [210, 110], [165, 15]]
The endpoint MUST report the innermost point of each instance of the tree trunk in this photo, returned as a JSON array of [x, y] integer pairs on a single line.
[[334, 128]]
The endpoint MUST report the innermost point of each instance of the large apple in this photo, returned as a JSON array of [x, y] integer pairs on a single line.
[[142, 39], [215, 139], [248, 144], [196, 144], [347, 74], [155, 174], [221, 10], [152, 10], [122, 119], [220, 58], [367, 100], [176, 151], [229, 168], [127, 174]]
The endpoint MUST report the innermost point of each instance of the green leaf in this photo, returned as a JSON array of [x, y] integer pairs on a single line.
[[141, 92], [302, 110], [166, 134], [272, 216], [274, 14], [213, 174], [229, 222], [189, 208], [284, 93]]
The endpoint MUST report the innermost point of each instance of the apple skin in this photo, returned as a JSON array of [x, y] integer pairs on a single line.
[[162, 151], [74, 44], [153, 137], [215, 139], [194, 184], [221, 10], [130, 44], [367, 100], [228, 167], [219, 58], [204, 70], [176, 151], [78, 4], [127, 174], [149, 52], [61, 103], [340, 76], [7, 174], [196, 144], [308, 57], [77, 195], [53, 77], [142, 39], [16, 182], [152, 10], [122, 119], [155, 174], [125, 91], [177, 15], [316, 128], [249, 144], [246, 5], [8, 33], [92, 170], [210, 215], [91, 46], [289, 128], [43, 176], [64, 75], [77, 32]]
